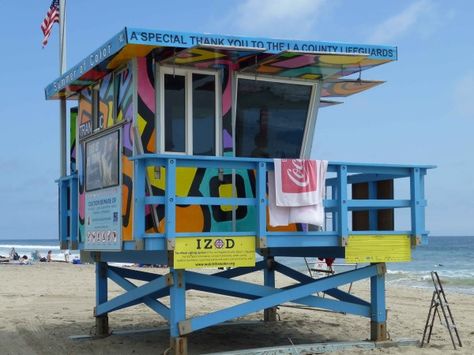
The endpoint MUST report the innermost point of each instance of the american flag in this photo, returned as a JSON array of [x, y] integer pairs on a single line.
[[51, 17]]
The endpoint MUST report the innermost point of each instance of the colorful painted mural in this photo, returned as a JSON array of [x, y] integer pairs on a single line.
[[120, 86], [72, 138], [195, 182], [115, 105]]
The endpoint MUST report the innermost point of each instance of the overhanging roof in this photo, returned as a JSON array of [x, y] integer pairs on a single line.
[[311, 60]]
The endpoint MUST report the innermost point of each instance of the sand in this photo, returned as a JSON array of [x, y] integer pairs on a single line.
[[42, 305]]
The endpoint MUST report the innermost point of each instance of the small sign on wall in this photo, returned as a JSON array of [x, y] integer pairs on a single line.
[[378, 248], [201, 252], [103, 224]]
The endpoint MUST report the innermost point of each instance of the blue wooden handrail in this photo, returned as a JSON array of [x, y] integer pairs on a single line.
[[339, 205], [68, 190]]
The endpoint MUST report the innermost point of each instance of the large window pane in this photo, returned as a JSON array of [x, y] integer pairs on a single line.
[[102, 162], [175, 113], [271, 118], [204, 114]]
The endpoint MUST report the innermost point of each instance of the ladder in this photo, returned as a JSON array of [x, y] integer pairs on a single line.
[[439, 301]]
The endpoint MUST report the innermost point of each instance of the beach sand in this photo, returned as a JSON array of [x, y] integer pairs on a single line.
[[42, 305]]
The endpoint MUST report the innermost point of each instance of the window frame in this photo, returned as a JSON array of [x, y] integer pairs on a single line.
[[116, 73], [313, 106], [163, 70], [108, 131]]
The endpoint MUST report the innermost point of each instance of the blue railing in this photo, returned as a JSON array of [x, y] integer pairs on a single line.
[[337, 203], [68, 211]]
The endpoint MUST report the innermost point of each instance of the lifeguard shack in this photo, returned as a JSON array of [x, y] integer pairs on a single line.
[[170, 145]]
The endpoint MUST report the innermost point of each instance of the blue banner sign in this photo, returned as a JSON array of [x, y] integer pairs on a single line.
[[186, 40]]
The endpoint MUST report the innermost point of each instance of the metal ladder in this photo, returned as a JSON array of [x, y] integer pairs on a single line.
[[439, 301]]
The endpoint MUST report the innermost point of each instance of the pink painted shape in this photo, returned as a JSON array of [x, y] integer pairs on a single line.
[[297, 62], [82, 205], [145, 89]]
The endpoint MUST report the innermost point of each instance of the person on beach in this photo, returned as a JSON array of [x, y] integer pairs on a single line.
[[67, 253], [48, 258], [14, 255]]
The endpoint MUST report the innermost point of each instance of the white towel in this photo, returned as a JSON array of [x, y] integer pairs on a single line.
[[297, 182], [307, 207]]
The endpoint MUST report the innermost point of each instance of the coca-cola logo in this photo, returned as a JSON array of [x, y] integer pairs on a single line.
[[298, 175]]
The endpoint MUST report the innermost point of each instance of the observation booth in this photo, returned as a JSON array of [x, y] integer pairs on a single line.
[[170, 145]]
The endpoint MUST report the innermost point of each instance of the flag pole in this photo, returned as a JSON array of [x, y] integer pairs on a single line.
[[62, 103]]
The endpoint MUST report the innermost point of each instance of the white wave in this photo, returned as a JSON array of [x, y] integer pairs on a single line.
[[21, 246]]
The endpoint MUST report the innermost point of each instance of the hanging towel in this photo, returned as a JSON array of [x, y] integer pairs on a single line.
[[296, 192], [296, 182]]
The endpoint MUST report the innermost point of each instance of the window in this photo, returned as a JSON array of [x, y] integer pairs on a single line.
[[102, 161], [190, 111], [97, 117], [271, 118], [175, 113]]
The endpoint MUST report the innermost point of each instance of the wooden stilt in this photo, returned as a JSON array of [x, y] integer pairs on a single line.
[[179, 346]]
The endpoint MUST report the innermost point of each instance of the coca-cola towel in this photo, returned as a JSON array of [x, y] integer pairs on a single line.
[[296, 192]]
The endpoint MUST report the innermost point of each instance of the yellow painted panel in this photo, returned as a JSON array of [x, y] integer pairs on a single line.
[[128, 52], [378, 248], [225, 190], [184, 179], [191, 253]]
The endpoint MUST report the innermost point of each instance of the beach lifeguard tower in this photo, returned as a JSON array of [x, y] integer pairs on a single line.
[[170, 145]]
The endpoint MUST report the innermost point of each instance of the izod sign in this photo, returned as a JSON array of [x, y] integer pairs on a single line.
[[192, 253]]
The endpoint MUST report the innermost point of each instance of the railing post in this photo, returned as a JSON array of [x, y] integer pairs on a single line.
[[63, 211], [269, 314], [342, 210], [423, 208], [74, 193], [261, 204], [139, 201], [170, 203], [416, 204], [373, 219]]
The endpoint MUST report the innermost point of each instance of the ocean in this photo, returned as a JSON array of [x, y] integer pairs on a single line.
[[451, 257], [28, 246]]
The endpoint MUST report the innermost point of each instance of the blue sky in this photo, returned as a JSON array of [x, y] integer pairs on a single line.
[[423, 114]]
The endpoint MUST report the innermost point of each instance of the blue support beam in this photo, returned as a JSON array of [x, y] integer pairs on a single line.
[[101, 289], [242, 289], [100, 283], [275, 299], [131, 297], [177, 301], [155, 305], [378, 313], [134, 274], [333, 292], [336, 306]]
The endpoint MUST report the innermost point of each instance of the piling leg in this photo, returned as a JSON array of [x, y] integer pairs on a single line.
[[269, 314], [378, 323], [178, 344], [102, 321]]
